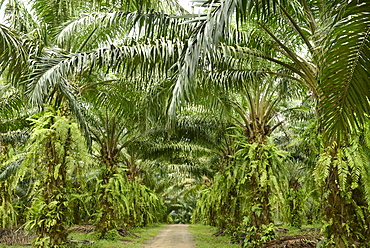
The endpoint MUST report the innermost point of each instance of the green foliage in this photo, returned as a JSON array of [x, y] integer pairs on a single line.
[[255, 237], [12, 54], [112, 202], [12, 188], [124, 201], [205, 237], [264, 163], [341, 173], [295, 200], [119, 194], [224, 203], [9, 176], [145, 206], [350, 161], [111, 235], [8, 214], [266, 160], [242, 189], [324, 45], [55, 153], [181, 207]]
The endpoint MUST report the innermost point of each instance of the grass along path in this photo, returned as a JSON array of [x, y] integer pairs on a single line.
[[142, 235], [204, 237]]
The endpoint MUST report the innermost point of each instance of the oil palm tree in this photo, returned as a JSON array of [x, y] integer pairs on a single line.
[[120, 196], [248, 179], [251, 100], [59, 150], [177, 160]]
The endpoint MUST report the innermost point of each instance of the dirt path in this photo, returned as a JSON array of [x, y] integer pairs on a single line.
[[173, 236]]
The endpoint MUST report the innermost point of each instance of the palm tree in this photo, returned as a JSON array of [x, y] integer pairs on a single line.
[[58, 149], [325, 47], [251, 99], [178, 160], [247, 180], [119, 194]]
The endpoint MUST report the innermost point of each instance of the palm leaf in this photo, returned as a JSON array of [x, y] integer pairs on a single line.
[[11, 106], [56, 12], [12, 54], [344, 88], [10, 168], [14, 137], [94, 29], [204, 40], [145, 58], [76, 106]]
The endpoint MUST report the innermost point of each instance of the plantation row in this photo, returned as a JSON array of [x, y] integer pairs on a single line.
[[132, 112]]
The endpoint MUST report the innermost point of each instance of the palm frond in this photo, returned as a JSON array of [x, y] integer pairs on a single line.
[[56, 12], [25, 25], [10, 168], [211, 31], [204, 40], [76, 106], [14, 137], [13, 112], [99, 28], [344, 88], [11, 106], [145, 58], [12, 55], [142, 5], [14, 124]]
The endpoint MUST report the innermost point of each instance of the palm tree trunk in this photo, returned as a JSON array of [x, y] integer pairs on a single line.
[[9, 219], [261, 191], [336, 211], [346, 212], [54, 196], [107, 220], [261, 203]]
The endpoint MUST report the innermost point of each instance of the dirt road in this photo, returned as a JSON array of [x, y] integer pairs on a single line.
[[173, 236]]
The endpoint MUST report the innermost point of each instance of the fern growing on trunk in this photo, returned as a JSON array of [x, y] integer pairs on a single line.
[[55, 151], [342, 172], [241, 194]]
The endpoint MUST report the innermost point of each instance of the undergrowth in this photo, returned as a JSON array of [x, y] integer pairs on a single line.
[[204, 237], [141, 235]]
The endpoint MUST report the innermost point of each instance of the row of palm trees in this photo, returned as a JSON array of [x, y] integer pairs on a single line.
[[301, 42], [97, 84], [124, 70]]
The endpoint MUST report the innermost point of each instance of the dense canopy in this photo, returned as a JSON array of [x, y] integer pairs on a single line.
[[242, 116]]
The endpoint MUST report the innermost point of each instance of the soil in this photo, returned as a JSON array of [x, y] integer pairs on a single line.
[[175, 235], [14, 237], [296, 241]]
